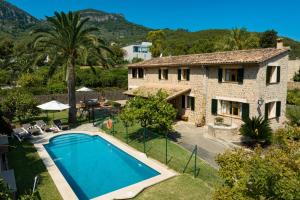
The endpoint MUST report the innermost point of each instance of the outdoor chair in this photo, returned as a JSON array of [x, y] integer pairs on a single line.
[[31, 129], [40, 124], [21, 133], [58, 123]]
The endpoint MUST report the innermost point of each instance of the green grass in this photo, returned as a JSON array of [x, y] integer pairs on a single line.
[[27, 164], [182, 187]]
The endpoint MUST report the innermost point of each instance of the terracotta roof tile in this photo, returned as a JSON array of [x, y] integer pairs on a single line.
[[226, 57]]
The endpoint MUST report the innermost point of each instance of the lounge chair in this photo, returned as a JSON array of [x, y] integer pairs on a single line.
[[41, 125], [21, 133], [59, 125], [31, 129]]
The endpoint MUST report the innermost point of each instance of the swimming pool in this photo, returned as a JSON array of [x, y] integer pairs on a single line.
[[92, 166]]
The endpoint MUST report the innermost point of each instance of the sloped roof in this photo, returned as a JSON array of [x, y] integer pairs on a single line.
[[151, 89], [226, 57]]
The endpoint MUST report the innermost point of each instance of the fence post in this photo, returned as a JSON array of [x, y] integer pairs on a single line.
[[166, 147], [126, 128], [195, 165], [144, 133]]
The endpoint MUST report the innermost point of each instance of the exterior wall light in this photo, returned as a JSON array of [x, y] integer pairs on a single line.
[[260, 101]]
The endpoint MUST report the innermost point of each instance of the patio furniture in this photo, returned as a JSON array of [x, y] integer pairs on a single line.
[[40, 124], [31, 129], [21, 133], [58, 123]]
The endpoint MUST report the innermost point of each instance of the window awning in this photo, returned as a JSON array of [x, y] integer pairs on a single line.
[[148, 90]]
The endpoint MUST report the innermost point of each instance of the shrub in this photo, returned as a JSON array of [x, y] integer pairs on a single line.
[[219, 120], [293, 115], [257, 129], [5, 127], [282, 135], [19, 104], [30, 80], [57, 88], [293, 97]]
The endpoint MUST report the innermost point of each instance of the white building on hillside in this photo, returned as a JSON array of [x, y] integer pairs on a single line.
[[138, 51]]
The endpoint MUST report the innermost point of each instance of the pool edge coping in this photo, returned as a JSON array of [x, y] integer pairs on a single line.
[[123, 193]]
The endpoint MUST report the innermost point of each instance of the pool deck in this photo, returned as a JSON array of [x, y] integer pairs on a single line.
[[124, 193]]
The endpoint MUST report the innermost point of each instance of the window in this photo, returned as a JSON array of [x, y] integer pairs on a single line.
[[273, 109], [231, 108], [273, 74], [137, 73], [231, 75], [191, 103], [135, 49], [163, 74], [184, 74]]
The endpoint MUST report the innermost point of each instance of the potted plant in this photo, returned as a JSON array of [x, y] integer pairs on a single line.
[[219, 120]]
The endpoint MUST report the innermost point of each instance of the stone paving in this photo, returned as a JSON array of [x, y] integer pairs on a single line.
[[208, 148]]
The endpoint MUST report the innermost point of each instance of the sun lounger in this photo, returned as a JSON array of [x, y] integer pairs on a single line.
[[42, 126], [21, 133], [31, 129], [59, 125]]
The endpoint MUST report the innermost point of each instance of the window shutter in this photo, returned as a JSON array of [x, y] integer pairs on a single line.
[[192, 103], [266, 111], [220, 75], [245, 111], [167, 74], [214, 106], [278, 74], [179, 74], [269, 68], [159, 74], [278, 108], [187, 74], [240, 77], [183, 101]]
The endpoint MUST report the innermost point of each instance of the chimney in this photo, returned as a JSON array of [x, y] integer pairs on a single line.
[[279, 43]]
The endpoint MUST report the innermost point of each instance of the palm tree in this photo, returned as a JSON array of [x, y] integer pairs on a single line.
[[239, 39], [66, 37]]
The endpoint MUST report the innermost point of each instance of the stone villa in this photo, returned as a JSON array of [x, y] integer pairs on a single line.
[[232, 84]]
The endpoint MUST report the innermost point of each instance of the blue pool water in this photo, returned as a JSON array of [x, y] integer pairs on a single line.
[[92, 166]]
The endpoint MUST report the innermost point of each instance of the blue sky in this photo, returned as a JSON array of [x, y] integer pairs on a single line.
[[256, 15]]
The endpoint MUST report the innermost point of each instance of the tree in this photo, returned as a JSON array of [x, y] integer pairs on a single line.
[[28, 80], [257, 128], [157, 38], [66, 36], [21, 104], [240, 39], [154, 110], [271, 173], [268, 39], [5, 193]]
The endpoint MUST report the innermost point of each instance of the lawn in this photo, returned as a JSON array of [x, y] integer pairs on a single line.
[[26, 162], [182, 187]]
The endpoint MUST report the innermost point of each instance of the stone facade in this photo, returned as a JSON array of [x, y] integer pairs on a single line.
[[205, 86], [294, 67]]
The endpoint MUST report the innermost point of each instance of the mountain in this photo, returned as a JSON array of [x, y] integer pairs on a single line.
[[13, 19], [115, 28]]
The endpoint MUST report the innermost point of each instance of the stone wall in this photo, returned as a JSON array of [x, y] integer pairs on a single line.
[[80, 96], [293, 85], [247, 92], [197, 84], [294, 67], [277, 91], [205, 87]]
